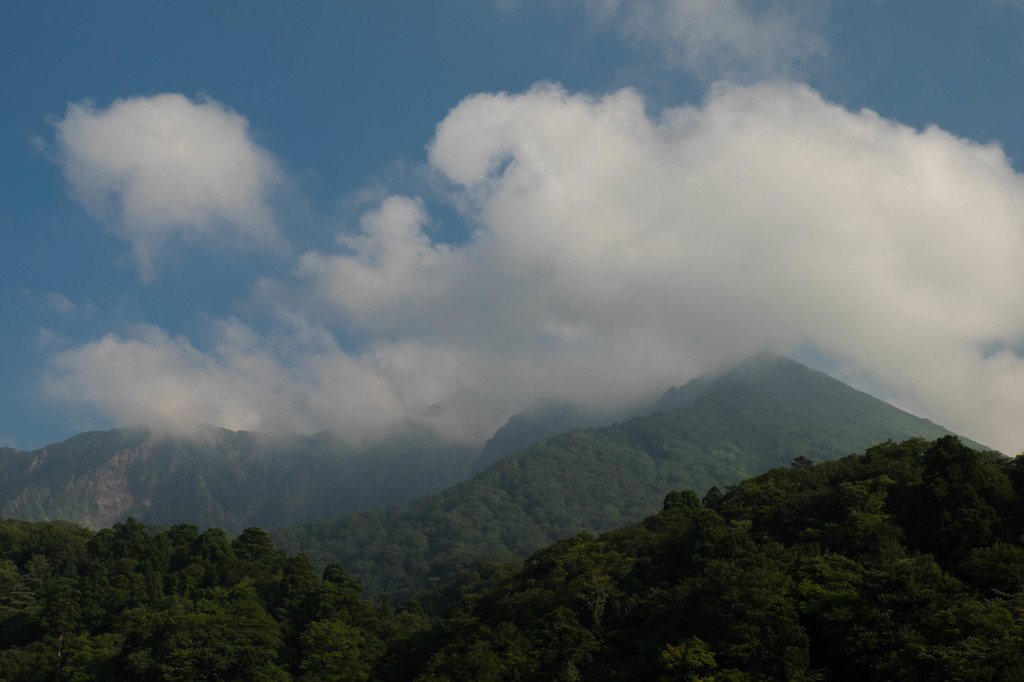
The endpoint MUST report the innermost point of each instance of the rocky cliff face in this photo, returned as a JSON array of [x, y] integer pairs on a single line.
[[220, 478]]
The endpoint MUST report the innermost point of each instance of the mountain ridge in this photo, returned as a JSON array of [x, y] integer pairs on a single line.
[[764, 415], [238, 479]]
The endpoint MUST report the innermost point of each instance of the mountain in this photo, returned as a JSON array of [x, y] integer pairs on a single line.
[[711, 431], [763, 413], [222, 478]]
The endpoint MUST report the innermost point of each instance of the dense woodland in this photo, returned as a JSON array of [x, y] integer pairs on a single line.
[[906, 562]]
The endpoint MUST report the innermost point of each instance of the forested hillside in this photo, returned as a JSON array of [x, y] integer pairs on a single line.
[[544, 419], [904, 563], [761, 414]]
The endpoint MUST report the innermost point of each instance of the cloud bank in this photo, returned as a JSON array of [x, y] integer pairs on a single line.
[[156, 168], [613, 254]]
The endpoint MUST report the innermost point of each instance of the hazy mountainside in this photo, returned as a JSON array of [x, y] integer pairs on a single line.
[[221, 478], [763, 413]]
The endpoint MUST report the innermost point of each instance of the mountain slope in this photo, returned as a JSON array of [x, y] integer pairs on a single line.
[[761, 414], [221, 478], [544, 419]]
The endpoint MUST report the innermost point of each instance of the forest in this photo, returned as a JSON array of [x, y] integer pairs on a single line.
[[905, 562]]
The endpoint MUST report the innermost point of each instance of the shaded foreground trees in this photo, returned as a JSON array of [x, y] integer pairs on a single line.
[[903, 563], [178, 605]]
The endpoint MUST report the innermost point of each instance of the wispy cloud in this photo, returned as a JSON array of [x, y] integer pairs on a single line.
[[731, 39], [165, 167], [59, 303], [737, 40], [614, 254]]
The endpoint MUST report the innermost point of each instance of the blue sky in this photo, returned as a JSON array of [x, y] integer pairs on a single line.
[[355, 215]]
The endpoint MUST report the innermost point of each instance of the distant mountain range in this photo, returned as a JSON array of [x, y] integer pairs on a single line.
[[714, 431]]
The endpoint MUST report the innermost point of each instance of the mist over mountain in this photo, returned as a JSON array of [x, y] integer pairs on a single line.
[[712, 431], [762, 413]]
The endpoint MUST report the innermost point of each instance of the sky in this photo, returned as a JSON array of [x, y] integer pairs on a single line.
[[360, 215]]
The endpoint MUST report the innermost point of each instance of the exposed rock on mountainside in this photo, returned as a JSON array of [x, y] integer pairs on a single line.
[[221, 478]]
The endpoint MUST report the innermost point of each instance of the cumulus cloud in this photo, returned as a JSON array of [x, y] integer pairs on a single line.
[[246, 382], [768, 217], [613, 254], [378, 263], [161, 167], [153, 378]]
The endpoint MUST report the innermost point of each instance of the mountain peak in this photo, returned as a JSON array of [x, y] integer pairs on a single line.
[[785, 382], [764, 369]]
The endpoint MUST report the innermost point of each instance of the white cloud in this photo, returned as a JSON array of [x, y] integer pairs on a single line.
[[161, 167], [613, 255], [244, 382], [379, 262], [153, 378]]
